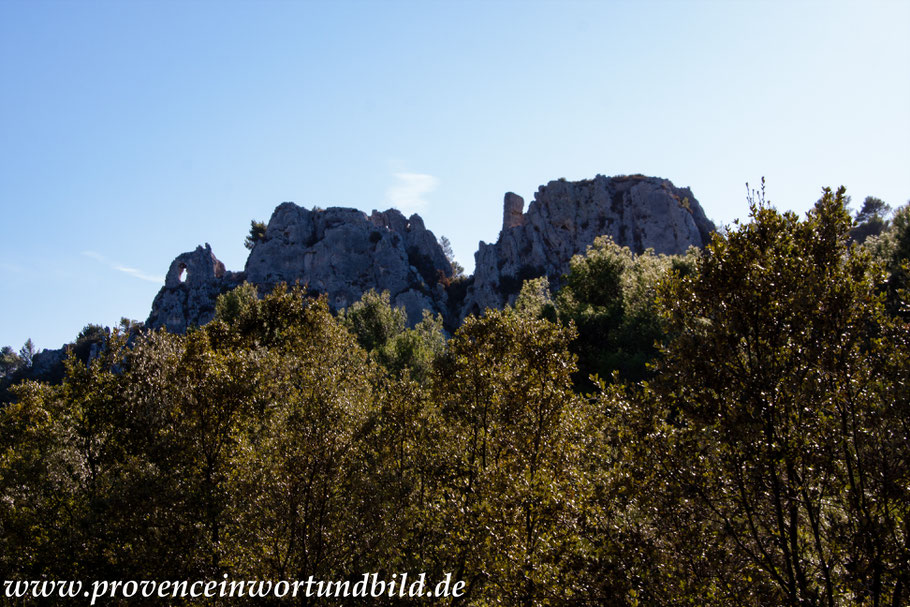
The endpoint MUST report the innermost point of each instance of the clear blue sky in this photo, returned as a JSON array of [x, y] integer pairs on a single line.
[[132, 131]]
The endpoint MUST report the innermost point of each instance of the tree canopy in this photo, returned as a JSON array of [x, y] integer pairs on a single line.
[[730, 427]]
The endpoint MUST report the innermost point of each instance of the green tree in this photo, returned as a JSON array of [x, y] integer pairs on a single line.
[[783, 437], [374, 321], [9, 362], [610, 295], [257, 234], [870, 220], [457, 269], [27, 353], [237, 305], [535, 299], [892, 248], [414, 351], [510, 415], [90, 340], [307, 495], [382, 331]]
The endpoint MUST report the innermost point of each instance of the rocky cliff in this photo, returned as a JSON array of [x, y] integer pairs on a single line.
[[193, 283], [340, 252], [344, 252], [565, 217]]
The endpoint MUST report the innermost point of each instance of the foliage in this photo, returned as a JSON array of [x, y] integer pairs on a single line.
[[535, 299], [237, 304], [89, 341], [257, 234], [10, 362], [374, 321], [892, 249], [765, 461], [510, 419], [781, 447], [457, 268], [610, 295], [382, 331], [870, 220], [27, 352]]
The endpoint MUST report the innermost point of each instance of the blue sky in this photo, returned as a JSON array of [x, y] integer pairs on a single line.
[[132, 131]]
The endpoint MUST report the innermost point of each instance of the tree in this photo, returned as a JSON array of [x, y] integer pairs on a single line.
[[38, 513], [870, 220], [382, 331], [89, 342], [257, 234], [610, 295], [892, 249], [237, 304], [535, 299], [414, 351], [9, 362], [457, 269], [306, 497], [872, 207], [780, 433], [511, 449], [374, 321], [27, 353]]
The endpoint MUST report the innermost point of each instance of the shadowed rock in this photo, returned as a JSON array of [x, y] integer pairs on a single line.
[[565, 217], [344, 252], [193, 283]]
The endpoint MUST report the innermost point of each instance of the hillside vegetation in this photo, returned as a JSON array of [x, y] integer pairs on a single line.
[[726, 427]]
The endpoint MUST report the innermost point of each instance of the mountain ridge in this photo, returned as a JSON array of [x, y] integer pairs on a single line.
[[343, 252]]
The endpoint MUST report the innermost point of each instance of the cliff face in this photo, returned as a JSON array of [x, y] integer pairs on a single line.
[[340, 252], [193, 283], [565, 217], [344, 252]]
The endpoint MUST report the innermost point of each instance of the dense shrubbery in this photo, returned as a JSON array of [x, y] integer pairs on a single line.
[[766, 461]]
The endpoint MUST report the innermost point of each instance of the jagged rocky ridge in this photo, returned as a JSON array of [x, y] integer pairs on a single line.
[[344, 252], [564, 219], [340, 252]]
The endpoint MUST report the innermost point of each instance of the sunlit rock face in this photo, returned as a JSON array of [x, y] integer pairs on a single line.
[[193, 283], [343, 253], [340, 252], [566, 216]]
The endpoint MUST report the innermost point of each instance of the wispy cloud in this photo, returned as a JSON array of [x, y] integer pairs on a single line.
[[122, 268], [407, 194]]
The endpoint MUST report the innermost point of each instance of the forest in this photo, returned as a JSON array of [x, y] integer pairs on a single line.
[[726, 427]]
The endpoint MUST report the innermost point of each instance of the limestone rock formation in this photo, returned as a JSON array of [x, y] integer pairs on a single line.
[[193, 283], [340, 252], [345, 252], [565, 217]]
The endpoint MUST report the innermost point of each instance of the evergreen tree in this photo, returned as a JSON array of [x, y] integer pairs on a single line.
[[784, 436]]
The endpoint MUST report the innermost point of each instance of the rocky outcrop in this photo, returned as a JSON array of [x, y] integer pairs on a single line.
[[193, 283], [565, 217], [340, 252], [344, 253]]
